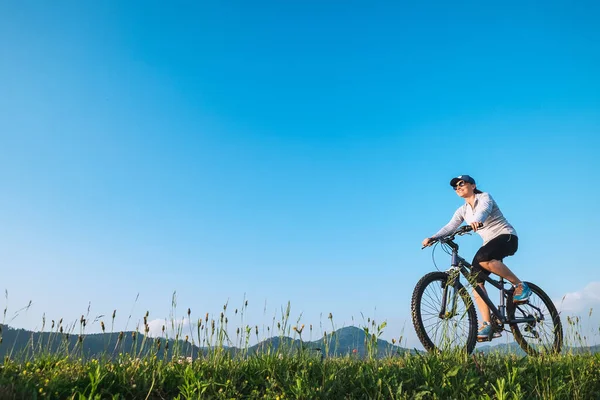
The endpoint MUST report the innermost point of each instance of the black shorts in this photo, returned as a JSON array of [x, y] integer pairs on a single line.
[[496, 249]]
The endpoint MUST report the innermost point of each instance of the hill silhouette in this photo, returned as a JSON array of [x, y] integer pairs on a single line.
[[351, 340], [513, 348], [21, 343]]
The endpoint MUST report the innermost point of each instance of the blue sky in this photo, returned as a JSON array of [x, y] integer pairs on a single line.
[[295, 151]]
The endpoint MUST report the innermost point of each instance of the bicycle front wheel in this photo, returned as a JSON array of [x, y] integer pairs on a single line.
[[543, 332], [443, 314]]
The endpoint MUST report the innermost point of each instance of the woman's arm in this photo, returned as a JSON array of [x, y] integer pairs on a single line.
[[484, 207], [451, 226]]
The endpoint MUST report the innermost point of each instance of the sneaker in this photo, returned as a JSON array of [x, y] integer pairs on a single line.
[[485, 333], [522, 293]]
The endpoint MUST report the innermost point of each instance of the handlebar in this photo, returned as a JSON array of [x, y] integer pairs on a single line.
[[460, 231]]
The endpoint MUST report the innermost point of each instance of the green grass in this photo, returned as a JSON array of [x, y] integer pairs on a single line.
[[305, 376], [56, 366]]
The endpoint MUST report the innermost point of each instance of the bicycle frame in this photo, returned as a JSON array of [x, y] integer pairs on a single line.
[[460, 265]]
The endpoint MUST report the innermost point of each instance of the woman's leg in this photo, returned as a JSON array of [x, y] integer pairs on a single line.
[[522, 291], [483, 307], [500, 269]]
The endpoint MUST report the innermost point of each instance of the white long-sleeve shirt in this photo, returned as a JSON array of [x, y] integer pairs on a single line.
[[484, 210]]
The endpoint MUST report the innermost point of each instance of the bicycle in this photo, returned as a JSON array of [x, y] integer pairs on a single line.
[[444, 322]]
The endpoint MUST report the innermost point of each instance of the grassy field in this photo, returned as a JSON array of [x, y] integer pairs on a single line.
[[305, 376], [55, 365]]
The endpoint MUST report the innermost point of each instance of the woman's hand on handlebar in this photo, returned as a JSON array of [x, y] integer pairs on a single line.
[[475, 226], [427, 242]]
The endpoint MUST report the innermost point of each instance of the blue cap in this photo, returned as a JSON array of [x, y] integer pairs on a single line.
[[465, 178]]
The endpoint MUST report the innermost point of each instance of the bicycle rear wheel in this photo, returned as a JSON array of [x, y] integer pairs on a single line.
[[544, 335], [454, 328]]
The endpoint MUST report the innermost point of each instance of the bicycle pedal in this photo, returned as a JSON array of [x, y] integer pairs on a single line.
[[495, 335]]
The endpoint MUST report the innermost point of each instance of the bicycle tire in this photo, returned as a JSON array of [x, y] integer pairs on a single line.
[[552, 334], [418, 303]]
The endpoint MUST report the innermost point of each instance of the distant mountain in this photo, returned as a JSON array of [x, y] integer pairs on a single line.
[[21, 343], [350, 340], [18, 343], [514, 348], [502, 348]]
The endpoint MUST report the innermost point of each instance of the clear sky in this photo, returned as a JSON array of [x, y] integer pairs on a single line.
[[288, 151]]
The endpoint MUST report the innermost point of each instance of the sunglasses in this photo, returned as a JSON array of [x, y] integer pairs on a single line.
[[460, 184]]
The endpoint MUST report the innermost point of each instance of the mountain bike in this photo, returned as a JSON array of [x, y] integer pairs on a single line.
[[445, 317]]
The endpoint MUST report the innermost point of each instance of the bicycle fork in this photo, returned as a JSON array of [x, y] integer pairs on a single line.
[[454, 292]]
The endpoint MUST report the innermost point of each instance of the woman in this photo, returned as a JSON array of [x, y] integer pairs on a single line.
[[499, 241]]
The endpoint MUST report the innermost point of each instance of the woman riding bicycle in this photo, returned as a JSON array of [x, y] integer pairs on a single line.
[[499, 241]]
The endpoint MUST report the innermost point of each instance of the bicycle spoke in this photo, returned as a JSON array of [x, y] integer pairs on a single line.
[[432, 306]]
